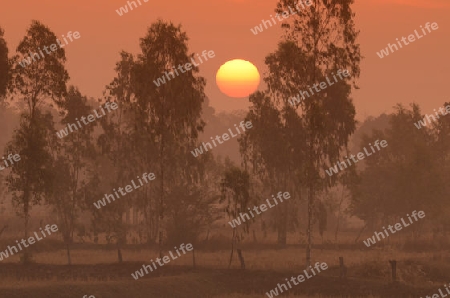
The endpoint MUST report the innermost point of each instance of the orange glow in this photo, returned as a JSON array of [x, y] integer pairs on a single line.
[[238, 78]]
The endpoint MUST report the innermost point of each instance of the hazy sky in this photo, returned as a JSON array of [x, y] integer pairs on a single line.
[[415, 73]]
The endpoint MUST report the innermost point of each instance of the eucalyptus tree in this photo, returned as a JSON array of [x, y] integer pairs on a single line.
[[30, 178], [319, 41], [116, 143], [41, 82], [272, 150], [169, 116], [235, 188], [73, 158], [407, 175]]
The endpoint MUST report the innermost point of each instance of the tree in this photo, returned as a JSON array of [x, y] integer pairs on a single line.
[[236, 192], [30, 178], [72, 165], [169, 116], [402, 175], [117, 143], [273, 150], [156, 127], [42, 81], [319, 41]]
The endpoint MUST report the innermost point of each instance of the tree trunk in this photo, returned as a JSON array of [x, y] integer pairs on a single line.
[[4, 228], [207, 236], [232, 247], [394, 270], [282, 225], [127, 216], [26, 253], [360, 232], [342, 268], [161, 203], [69, 260], [309, 230], [241, 258], [135, 216], [119, 254], [339, 215], [160, 245], [26, 221]]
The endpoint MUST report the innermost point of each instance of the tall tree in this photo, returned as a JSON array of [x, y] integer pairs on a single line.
[[319, 40], [130, 148], [43, 81], [236, 193], [273, 150], [116, 143], [30, 178], [169, 115], [73, 162]]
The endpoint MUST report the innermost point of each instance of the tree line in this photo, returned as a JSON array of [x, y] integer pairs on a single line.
[[155, 129]]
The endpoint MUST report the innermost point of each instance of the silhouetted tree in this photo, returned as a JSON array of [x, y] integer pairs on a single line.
[[29, 179], [403, 176], [170, 115], [319, 40], [273, 150], [73, 162], [43, 81], [236, 192]]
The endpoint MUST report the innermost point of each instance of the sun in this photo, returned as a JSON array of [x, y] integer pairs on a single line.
[[238, 78]]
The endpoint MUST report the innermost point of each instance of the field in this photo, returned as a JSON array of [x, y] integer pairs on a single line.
[[96, 272]]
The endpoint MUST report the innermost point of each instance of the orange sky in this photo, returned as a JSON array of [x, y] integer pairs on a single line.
[[415, 73]]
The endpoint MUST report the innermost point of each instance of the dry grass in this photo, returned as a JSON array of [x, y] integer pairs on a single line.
[[269, 259]]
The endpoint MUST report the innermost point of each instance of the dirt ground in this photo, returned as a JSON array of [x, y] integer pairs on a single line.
[[110, 281]]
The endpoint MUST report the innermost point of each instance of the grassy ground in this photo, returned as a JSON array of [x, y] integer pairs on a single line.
[[208, 283], [368, 274], [422, 269]]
